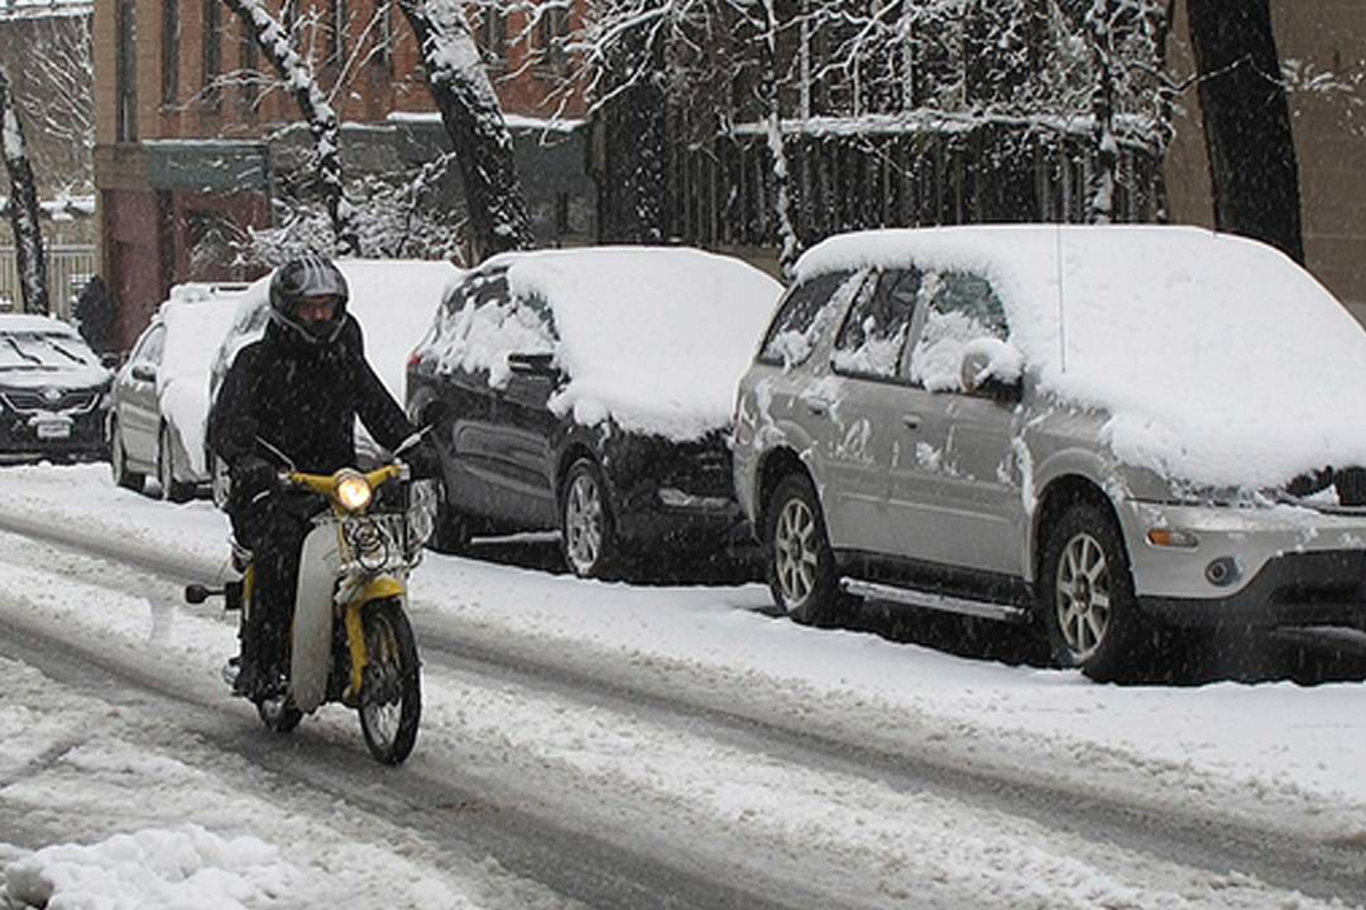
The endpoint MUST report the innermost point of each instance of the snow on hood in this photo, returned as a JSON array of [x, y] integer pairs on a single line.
[[1217, 359], [37, 351], [657, 339]]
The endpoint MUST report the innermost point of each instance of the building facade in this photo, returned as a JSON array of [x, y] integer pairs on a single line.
[[196, 140]]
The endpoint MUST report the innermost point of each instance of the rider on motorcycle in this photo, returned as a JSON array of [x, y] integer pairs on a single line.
[[290, 400]]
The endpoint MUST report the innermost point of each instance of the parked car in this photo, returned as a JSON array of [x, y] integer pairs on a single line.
[[1109, 431], [590, 391], [52, 391], [157, 408], [393, 299]]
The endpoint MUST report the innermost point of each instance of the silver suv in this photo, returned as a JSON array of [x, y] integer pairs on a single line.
[[1107, 431]]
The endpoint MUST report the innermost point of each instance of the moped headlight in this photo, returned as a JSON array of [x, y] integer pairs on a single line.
[[353, 492]]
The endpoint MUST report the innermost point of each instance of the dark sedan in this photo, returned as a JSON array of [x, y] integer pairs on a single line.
[[52, 391], [590, 392]]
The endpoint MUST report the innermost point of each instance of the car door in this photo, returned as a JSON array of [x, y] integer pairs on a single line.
[[525, 435], [862, 432], [139, 413], [955, 495]]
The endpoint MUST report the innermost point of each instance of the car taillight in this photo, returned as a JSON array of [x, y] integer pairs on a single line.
[[414, 358]]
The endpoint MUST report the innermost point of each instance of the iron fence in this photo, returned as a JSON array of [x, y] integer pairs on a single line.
[[69, 267]]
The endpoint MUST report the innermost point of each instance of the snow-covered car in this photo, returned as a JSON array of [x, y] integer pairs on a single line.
[[392, 299], [590, 391], [1112, 431], [159, 400], [52, 390]]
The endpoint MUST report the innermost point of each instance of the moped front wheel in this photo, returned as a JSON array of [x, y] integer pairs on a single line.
[[391, 693]]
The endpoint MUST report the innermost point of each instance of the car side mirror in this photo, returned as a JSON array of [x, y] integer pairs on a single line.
[[534, 365], [144, 373], [993, 369]]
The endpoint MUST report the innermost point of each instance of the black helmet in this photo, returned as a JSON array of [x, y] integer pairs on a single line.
[[311, 276]]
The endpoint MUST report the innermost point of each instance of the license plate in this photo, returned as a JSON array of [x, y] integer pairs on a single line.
[[54, 429]]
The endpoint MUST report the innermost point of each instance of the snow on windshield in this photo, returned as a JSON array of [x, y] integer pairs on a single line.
[[1217, 359], [655, 339]]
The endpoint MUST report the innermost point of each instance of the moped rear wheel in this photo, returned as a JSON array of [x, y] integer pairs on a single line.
[[391, 694]]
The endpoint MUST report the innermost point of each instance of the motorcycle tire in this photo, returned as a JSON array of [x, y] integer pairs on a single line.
[[391, 694]]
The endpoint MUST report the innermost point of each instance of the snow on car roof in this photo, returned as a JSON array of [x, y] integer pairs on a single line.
[[1218, 359], [656, 338], [24, 322]]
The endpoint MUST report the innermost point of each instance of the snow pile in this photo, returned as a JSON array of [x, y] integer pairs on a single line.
[[1218, 360], [185, 867], [655, 339]]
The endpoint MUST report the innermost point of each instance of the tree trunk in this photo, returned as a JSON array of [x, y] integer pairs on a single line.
[[1253, 169], [321, 118], [474, 121], [1099, 25], [782, 195], [23, 208]]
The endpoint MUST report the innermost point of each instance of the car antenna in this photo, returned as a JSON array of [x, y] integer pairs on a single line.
[[1062, 309]]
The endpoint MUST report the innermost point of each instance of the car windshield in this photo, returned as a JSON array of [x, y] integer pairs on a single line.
[[43, 351]]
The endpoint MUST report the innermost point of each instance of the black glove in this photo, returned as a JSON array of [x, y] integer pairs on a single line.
[[253, 477], [424, 460]]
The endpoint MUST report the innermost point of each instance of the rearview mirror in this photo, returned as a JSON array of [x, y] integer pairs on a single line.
[[993, 369]]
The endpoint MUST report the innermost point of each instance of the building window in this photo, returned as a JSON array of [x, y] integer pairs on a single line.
[[126, 74], [170, 52], [249, 88], [552, 32], [213, 54], [493, 33], [336, 32], [384, 35]]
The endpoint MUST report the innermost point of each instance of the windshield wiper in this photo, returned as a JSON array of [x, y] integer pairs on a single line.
[[21, 352], [65, 353]]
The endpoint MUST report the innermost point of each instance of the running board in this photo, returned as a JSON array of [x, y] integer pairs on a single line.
[[944, 602]]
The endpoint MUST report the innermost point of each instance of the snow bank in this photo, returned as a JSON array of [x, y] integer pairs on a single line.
[[655, 339], [1218, 360], [155, 868]]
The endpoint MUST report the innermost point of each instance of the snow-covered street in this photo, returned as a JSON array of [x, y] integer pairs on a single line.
[[587, 744]]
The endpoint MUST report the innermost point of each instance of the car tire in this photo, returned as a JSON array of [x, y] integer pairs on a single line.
[[800, 565], [451, 528], [1087, 601], [587, 532], [172, 490], [118, 462]]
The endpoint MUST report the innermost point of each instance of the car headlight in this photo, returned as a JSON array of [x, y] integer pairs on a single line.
[[353, 492]]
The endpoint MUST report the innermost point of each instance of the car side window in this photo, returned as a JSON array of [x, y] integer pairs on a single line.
[[152, 346], [802, 316], [874, 333], [960, 308]]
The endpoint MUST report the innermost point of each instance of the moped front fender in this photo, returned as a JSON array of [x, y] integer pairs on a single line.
[[383, 587]]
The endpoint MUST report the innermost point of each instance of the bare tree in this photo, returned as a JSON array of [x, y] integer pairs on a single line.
[[28, 235], [53, 69], [316, 110], [473, 118], [1253, 168]]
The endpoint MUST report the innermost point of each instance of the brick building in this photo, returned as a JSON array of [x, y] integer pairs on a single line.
[[185, 146]]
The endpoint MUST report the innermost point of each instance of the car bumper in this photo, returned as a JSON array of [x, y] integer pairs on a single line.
[[653, 517], [37, 435], [1276, 565]]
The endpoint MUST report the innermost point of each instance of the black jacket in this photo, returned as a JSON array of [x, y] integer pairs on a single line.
[[303, 399]]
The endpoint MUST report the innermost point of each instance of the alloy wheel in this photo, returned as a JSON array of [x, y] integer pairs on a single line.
[[1083, 595], [796, 558], [583, 523]]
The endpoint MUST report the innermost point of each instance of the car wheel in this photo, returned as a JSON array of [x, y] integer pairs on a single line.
[[1088, 604], [172, 490], [118, 462], [587, 534], [801, 566], [451, 528]]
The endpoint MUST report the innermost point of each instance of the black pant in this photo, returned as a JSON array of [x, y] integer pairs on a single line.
[[273, 528]]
